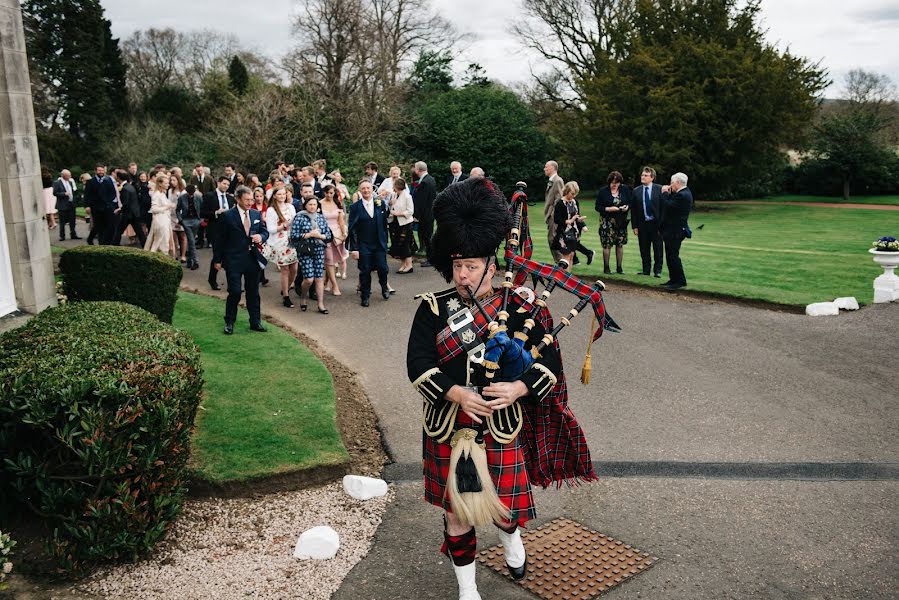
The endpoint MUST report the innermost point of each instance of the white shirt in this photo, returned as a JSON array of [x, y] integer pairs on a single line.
[[271, 217], [369, 206], [223, 200]]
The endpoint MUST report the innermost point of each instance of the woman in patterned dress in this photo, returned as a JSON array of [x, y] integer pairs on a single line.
[[278, 219], [612, 203], [309, 224]]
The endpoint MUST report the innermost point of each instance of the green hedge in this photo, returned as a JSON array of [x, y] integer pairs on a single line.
[[97, 402], [149, 280]]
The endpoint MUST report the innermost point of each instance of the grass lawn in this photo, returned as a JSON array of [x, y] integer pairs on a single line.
[[268, 405], [886, 200], [783, 254]]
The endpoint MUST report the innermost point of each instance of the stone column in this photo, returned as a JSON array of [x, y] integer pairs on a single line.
[[27, 238]]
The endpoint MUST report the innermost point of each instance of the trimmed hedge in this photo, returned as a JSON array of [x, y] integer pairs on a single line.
[[149, 280], [97, 402]]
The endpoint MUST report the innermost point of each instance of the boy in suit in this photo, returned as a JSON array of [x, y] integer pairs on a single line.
[[241, 233]]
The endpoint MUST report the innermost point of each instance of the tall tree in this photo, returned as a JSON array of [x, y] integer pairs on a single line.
[[683, 85], [78, 64], [238, 76]]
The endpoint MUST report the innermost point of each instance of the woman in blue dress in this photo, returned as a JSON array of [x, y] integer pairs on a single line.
[[309, 234]]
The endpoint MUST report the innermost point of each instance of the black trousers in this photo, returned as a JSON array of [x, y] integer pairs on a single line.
[[372, 261], [249, 278], [650, 238], [213, 274], [425, 231], [66, 217], [103, 226], [136, 224], [672, 259]]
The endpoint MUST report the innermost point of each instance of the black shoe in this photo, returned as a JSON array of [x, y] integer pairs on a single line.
[[365, 301], [590, 256], [288, 302], [194, 267], [258, 327], [518, 572], [426, 265], [607, 270], [215, 286], [666, 284], [642, 273], [385, 294], [659, 275], [405, 272], [62, 239], [619, 270], [264, 282], [75, 237], [229, 329], [577, 261]]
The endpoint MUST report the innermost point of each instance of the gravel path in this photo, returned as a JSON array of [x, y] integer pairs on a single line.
[[240, 548]]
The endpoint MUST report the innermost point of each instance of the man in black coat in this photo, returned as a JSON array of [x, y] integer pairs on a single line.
[[129, 213], [215, 203], [371, 173], [677, 201], [423, 200], [101, 198], [231, 174], [64, 190], [646, 216], [456, 175], [367, 239]]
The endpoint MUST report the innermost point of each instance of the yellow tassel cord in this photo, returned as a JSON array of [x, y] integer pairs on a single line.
[[585, 371], [473, 508]]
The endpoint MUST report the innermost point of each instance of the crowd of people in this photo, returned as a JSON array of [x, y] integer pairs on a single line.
[[313, 224], [657, 215]]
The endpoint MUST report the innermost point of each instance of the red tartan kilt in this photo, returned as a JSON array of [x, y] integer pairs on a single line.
[[507, 469]]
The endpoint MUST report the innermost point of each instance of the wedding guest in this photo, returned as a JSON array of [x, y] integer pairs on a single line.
[[49, 198], [310, 226], [259, 203], [343, 194], [335, 251], [160, 237], [568, 223], [190, 203], [179, 239], [64, 192], [400, 221], [612, 203], [278, 219]]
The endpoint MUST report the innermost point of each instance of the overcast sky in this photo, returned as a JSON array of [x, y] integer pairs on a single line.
[[842, 34]]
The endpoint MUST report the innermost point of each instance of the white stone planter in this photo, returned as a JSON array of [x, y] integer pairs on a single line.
[[886, 287]]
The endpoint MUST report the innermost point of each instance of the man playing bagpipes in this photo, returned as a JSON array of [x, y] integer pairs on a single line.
[[488, 367]]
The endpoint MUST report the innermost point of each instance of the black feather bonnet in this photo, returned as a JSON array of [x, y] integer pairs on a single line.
[[472, 219]]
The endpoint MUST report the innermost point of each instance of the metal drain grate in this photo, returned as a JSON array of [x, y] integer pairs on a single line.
[[567, 561]]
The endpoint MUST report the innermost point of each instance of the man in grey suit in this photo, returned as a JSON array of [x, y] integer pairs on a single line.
[[553, 194], [646, 217]]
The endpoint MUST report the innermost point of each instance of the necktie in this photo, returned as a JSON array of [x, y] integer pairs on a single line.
[[246, 222], [222, 201], [647, 210]]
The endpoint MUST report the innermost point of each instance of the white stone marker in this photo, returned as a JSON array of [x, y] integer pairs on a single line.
[[364, 488], [318, 543], [847, 303], [822, 309]]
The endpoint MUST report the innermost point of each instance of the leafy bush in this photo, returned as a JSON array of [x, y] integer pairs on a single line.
[[97, 401], [146, 279]]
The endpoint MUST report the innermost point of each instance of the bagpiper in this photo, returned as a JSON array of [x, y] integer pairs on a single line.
[[495, 404]]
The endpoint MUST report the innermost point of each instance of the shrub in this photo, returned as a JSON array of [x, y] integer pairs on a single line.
[[97, 401], [146, 279]]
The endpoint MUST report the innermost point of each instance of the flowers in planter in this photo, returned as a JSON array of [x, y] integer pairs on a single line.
[[887, 244], [6, 546]]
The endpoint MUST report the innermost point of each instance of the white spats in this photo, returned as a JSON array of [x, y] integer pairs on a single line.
[[847, 303], [468, 587], [364, 488], [822, 309], [318, 543], [513, 548]]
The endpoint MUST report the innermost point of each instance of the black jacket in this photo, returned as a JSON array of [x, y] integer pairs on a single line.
[[449, 179], [130, 201], [210, 205], [604, 200], [676, 209], [424, 197], [638, 217]]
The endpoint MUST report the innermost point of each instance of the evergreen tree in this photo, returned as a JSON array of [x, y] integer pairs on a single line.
[[78, 63], [238, 76], [432, 72]]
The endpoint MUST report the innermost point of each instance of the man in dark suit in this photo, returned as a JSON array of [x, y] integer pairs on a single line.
[[371, 173], [215, 203], [423, 201], [677, 201], [308, 176], [231, 174], [101, 197], [241, 233], [129, 213], [367, 239], [64, 190], [646, 215], [456, 175], [199, 179]]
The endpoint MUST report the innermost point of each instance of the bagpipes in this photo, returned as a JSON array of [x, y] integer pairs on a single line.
[[469, 487]]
